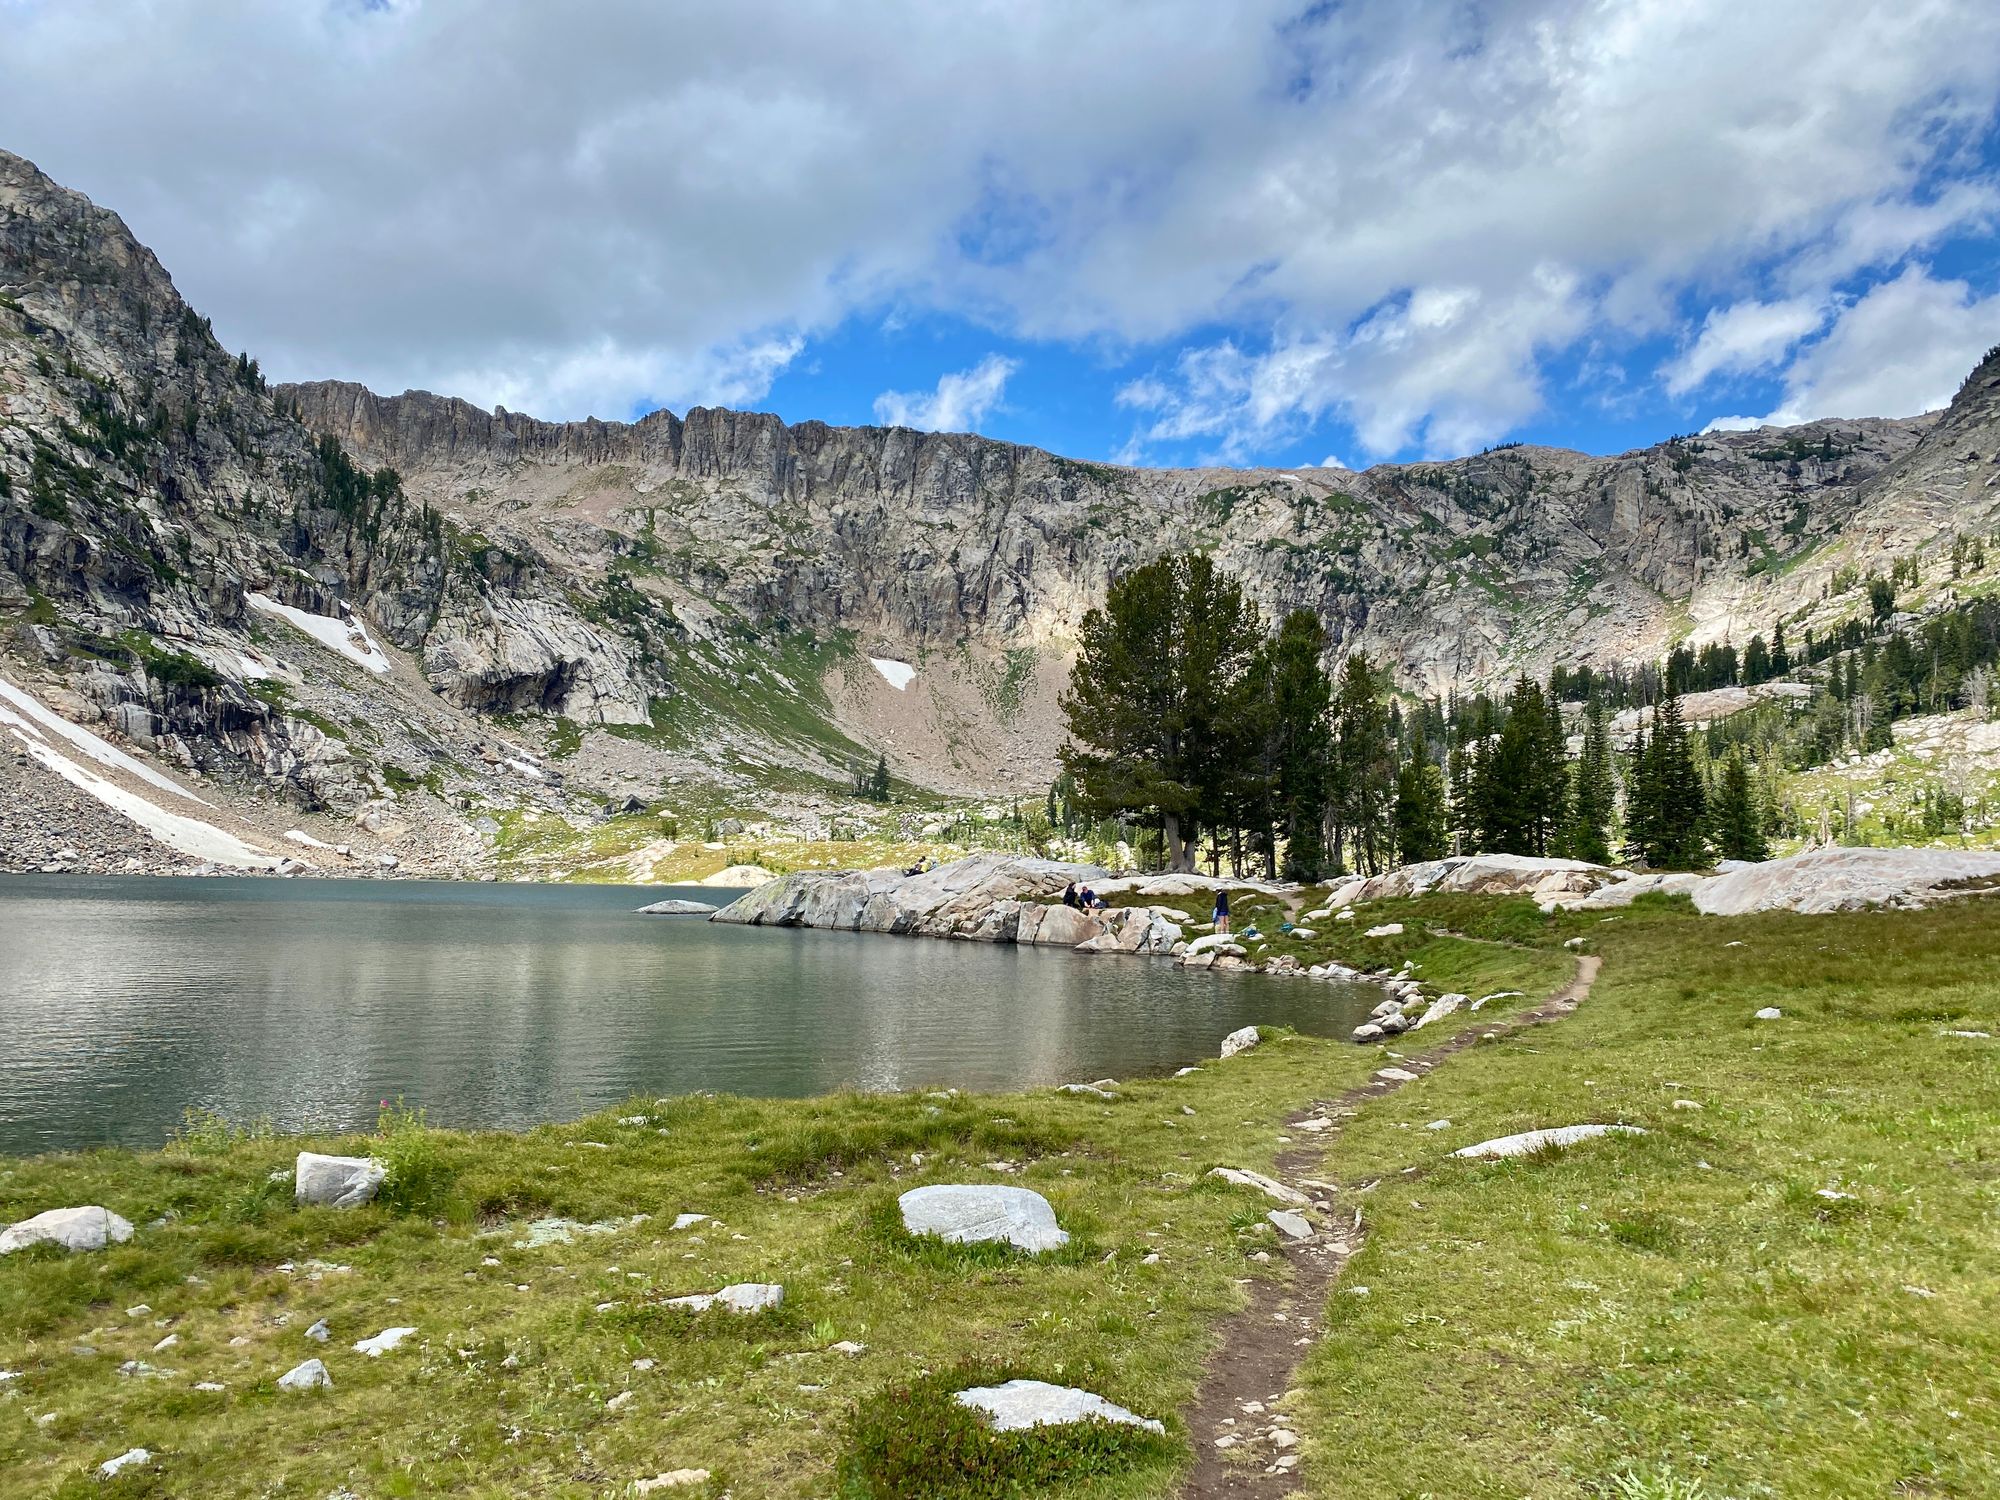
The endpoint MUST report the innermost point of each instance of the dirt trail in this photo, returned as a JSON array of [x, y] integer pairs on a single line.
[[1263, 1344]]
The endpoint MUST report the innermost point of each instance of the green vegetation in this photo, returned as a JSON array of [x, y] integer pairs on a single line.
[[1786, 1291]]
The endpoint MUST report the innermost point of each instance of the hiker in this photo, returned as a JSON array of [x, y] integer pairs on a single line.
[[1222, 911], [1070, 897]]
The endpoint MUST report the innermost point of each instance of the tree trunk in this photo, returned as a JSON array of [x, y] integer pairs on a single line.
[[1179, 851]]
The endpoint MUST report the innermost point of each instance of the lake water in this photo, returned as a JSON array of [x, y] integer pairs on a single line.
[[124, 1002]]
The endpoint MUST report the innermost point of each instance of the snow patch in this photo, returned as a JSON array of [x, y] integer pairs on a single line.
[[101, 751], [190, 836], [533, 773], [896, 673], [349, 637]]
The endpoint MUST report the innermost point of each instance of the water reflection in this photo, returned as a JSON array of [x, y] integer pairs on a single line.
[[125, 1001]]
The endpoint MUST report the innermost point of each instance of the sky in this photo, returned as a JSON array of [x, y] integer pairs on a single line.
[[1260, 232]]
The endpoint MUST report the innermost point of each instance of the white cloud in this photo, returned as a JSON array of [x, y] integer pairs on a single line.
[[1393, 211], [960, 402], [1901, 349], [1741, 338]]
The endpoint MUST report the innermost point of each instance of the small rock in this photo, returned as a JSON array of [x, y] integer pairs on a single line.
[[1770, 1013], [166, 1343], [1292, 1226], [319, 1333], [383, 1342], [1686, 1104], [310, 1376], [672, 1479], [619, 1402], [1396, 1075], [1438, 1125], [112, 1466], [744, 1297], [688, 1221], [1277, 1191], [848, 1347], [1090, 1089], [642, 1365], [1241, 1040], [1387, 929]]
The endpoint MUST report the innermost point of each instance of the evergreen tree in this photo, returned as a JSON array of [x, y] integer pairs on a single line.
[[1520, 788], [1781, 661], [1678, 809], [1153, 695], [1422, 830], [1364, 770], [878, 783], [1756, 662], [1738, 823], [1300, 728], [1642, 798], [1587, 834]]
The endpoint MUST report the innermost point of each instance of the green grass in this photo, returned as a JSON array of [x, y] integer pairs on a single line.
[[1681, 1314], [1684, 1313]]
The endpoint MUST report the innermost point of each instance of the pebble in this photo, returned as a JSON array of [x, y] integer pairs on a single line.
[[619, 1402]]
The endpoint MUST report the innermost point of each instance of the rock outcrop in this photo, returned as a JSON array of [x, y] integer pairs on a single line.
[[1825, 880], [979, 898], [1479, 874], [1022, 1404]]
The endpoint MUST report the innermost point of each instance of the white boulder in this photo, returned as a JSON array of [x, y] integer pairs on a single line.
[[1292, 1226], [310, 1376], [87, 1228], [111, 1467], [1439, 1008], [1021, 1404], [962, 1214], [678, 908], [1530, 1141], [1387, 929], [336, 1181], [1270, 1187], [383, 1342], [1770, 1013], [1240, 1040], [743, 1297]]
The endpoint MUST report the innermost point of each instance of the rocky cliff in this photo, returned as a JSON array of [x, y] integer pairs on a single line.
[[389, 609]]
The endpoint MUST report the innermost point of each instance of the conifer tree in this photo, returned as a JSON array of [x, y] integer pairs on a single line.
[[1300, 727], [1642, 798], [1679, 805], [1738, 823], [1781, 661], [1587, 833], [1364, 769], [878, 783], [1422, 830]]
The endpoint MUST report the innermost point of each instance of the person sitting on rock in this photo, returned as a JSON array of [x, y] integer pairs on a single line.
[[1091, 901], [1070, 897], [1222, 911]]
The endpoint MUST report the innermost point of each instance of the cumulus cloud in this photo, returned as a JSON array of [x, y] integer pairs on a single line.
[[1901, 349], [959, 403], [1394, 212], [1744, 337]]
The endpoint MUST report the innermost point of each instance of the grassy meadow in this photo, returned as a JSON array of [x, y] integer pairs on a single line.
[[1790, 1290]]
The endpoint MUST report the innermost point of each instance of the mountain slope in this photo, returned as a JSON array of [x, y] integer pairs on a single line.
[[693, 602]]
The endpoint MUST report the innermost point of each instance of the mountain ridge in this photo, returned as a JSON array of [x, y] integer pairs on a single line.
[[695, 598]]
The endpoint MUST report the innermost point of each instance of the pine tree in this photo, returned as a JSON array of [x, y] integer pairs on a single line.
[[1781, 661], [878, 784], [1737, 823], [1587, 834], [1364, 769], [1301, 730], [1422, 830], [1154, 698], [1679, 805]]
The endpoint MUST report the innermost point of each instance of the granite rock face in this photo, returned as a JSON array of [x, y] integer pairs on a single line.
[[1826, 880], [973, 1213]]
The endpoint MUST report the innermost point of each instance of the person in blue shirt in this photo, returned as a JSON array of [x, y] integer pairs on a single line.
[[1222, 911]]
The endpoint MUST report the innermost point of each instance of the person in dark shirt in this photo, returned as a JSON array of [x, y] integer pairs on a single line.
[[1070, 897], [1222, 911]]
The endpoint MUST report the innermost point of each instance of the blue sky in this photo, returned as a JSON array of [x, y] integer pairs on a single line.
[[1267, 232]]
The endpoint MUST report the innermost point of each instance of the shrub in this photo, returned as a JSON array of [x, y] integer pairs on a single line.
[[418, 1177], [915, 1439]]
